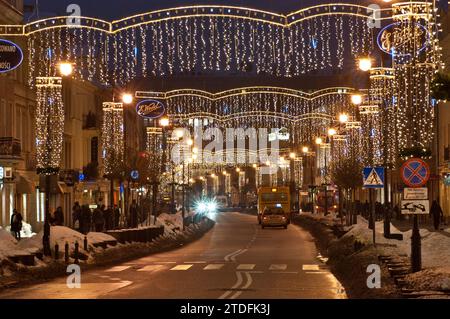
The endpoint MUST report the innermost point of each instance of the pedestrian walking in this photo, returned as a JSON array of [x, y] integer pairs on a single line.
[[59, 217], [86, 218], [16, 223], [437, 214], [76, 216], [133, 214], [116, 217], [98, 219]]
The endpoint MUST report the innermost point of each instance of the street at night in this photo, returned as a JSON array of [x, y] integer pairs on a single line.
[[183, 154]]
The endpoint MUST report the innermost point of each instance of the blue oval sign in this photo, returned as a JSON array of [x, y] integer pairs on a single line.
[[150, 109], [11, 56], [391, 38]]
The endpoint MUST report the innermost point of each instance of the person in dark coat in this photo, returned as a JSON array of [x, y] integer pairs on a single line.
[[16, 223], [437, 214], [59, 217], [116, 217], [107, 217], [98, 219], [76, 216], [133, 214], [86, 217]]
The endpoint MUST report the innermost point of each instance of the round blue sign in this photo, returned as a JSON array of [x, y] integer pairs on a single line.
[[134, 174], [150, 109], [11, 56]]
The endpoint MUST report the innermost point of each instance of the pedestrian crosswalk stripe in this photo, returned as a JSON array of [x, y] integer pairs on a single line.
[[151, 268], [213, 267], [246, 267], [278, 267], [118, 268], [310, 267], [181, 267]]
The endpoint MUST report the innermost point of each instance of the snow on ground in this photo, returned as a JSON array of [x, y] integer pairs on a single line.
[[171, 222], [435, 245], [94, 238], [7, 243], [26, 231]]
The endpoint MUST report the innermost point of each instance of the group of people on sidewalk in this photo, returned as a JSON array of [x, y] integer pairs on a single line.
[[99, 219]]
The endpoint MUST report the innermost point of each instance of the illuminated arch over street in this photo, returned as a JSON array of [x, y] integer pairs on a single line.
[[201, 39]]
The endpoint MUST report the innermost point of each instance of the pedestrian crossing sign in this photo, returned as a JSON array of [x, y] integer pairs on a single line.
[[373, 177]]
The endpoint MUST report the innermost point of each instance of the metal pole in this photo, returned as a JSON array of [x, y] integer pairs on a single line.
[[46, 237], [416, 256], [173, 190], [326, 190], [184, 195], [312, 183]]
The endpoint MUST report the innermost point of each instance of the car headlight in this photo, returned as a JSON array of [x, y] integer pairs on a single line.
[[201, 207], [212, 206]]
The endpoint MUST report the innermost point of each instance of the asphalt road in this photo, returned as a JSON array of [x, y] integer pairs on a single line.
[[236, 259]]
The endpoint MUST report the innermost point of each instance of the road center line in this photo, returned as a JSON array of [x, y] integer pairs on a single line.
[[227, 257], [236, 285], [246, 286]]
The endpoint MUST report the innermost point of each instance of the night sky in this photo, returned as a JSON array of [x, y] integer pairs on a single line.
[[115, 9]]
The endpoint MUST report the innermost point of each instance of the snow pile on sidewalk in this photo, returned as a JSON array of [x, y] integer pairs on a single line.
[[171, 222], [434, 279], [94, 238], [8, 244], [25, 232]]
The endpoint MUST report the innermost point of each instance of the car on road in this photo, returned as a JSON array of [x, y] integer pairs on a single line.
[[274, 217]]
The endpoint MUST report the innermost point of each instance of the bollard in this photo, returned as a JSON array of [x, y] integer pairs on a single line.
[[56, 251], [76, 254], [85, 243], [66, 252]]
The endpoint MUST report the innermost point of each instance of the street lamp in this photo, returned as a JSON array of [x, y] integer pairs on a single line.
[[343, 118], [356, 99], [306, 153], [127, 98], [365, 64], [65, 68]]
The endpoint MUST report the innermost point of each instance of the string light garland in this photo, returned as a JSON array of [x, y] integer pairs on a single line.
[[112, 137], [49, 124]]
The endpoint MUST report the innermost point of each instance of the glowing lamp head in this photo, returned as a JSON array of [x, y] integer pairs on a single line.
[[255, 165], [65, 68], [179, 133], [305, 149], [127, 98], [319, 141], [343, 118], [292, 155], [238, 170], [164, 122], [356, 99], [365, 64], [195, 150], [332, 132], [190, 142]]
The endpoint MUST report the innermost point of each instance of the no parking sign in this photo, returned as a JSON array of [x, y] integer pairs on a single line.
[[415, 172]]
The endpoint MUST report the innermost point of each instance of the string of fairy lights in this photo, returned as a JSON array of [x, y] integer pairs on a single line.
[[49, 124], [113, 137], [200, 44]]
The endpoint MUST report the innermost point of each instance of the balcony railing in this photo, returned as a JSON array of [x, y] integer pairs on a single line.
[[10, 147]]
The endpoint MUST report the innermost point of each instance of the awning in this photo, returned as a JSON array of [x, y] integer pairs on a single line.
[[24, 186], [63, 188]]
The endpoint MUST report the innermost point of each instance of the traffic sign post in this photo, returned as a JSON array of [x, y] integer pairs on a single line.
[[373, 178], [415, 173]]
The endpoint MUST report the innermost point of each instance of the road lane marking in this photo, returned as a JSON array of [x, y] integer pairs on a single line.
[[246, 286], [278, 267], [233, 258], [227, 257], [236, 285], [118, 268], [316, 272], [213, 267], [310, 267], [150, 268], [181, 267], [195, 262], [246, 267], [285, 272]]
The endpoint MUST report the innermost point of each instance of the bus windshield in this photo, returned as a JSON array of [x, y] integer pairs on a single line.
[[274, 197]]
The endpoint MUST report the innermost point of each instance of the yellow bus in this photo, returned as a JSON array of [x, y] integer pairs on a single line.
[[274, 197]]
